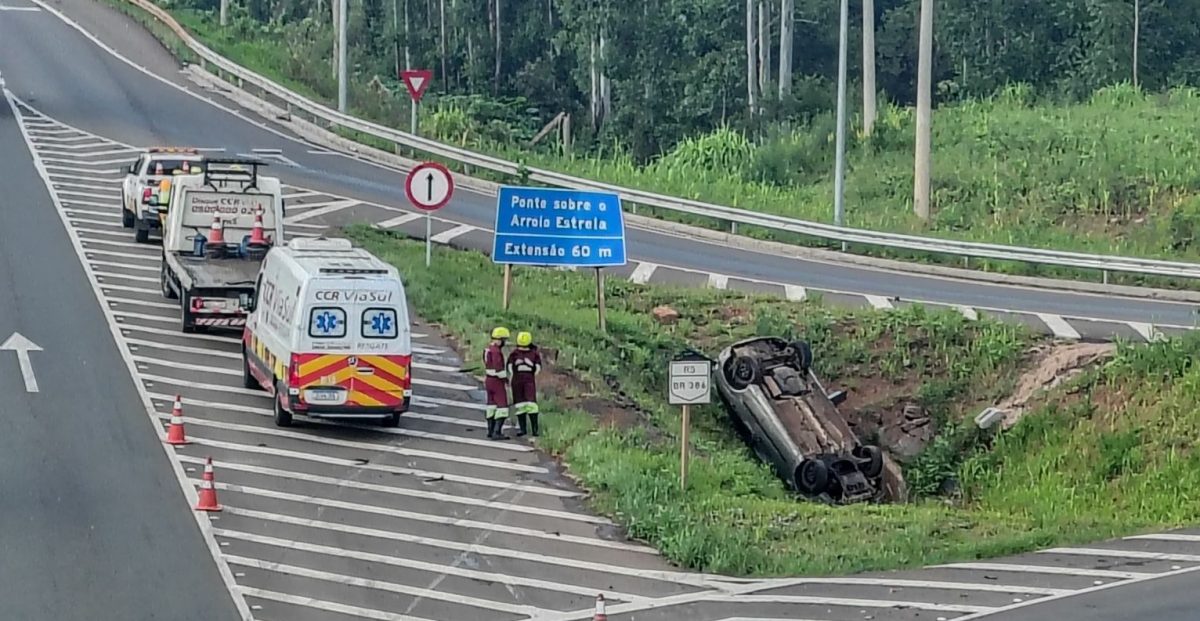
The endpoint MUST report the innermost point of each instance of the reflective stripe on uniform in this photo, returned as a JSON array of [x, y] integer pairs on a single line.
[[525, 407], [497, 413]]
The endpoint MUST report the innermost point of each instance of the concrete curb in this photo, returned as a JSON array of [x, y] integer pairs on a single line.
[[322, 136]]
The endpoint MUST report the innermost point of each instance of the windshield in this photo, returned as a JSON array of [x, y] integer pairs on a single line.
[[169, 166]]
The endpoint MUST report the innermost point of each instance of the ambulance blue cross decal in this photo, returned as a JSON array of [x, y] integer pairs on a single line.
[[382, 324], [326, 322]]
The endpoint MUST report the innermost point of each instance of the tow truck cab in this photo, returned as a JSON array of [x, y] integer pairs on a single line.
[[328, 333], [143, 206]]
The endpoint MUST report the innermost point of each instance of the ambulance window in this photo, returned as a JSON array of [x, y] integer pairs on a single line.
[[379, 323], [327, 322]]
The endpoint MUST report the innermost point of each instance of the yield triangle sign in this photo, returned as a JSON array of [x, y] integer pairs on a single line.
[[417, 80]]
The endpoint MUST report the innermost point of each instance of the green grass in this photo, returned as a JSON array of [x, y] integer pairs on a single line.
[[1116, 174], [1033, 490]]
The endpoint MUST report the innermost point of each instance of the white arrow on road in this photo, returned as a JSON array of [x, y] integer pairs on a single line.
[[23, 346]]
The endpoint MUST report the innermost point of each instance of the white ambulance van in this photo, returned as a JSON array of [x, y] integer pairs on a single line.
[[329, 334]]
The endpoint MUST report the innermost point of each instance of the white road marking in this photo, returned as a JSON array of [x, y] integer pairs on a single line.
[[718, 281], [202, 521], [795, 293], [380, 585], [268, 151], [398, 220], [50, 128], [124, 266], [70, 149], [1043, 569], [22, 346], [434, 568], [300, 194], [127, 277], [116, 232], [377, 447], [323, 209], [967, 312], [351, 463], [642, 273], [168, 399], [31, 9], [109, 188], [114, 198], [445, 236], [343, 609], [1058, 326], [842, 601], [1147, 331], [172, 307], [233, 340], [437, 401], [1168, 537], [776, 583], [1138, 554], [879, 302], [74, 164], [423, 494], [68, 153], [114, 222]]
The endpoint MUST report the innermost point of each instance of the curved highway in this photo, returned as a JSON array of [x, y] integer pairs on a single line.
[[58, 71], [328, 522]]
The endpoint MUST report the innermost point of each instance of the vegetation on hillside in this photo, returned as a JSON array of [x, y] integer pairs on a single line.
[[1038, 141], [1107, 455]]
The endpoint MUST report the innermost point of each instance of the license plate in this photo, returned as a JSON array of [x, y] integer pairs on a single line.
[[325, 397]]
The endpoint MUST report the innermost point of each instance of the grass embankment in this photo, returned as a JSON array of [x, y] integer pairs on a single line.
[[1070, 474], [1116, 174]]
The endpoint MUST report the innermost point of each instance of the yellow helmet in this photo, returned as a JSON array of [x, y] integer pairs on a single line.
[[524, 339], [500, 333]]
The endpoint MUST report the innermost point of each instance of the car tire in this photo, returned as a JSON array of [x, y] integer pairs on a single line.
[[812, 477], [283, 418], [248, 380], [744, 371], [141, 233], [393, 420], [872, 460], [802, 355], [185, 313], [126, 218], [164, 282]]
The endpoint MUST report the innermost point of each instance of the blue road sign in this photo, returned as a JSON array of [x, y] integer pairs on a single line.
[[549, 226]]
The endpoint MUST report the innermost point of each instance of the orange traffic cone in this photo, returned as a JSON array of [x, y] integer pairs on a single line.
[[256, 233], [600, 614], [208, 493], [175, 434], [216, 234]]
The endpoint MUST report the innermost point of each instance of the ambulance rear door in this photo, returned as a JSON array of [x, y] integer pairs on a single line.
[[358, 339]]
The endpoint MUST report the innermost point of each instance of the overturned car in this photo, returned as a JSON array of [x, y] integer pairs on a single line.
[[784, 413]]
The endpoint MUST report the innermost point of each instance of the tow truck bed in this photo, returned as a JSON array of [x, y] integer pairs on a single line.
[[206, 273]]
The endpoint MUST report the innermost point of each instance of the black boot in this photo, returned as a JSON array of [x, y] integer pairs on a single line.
[[522, 423], [500, 429], [533, 423]]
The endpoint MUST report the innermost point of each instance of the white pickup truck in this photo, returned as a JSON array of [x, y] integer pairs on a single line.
[[210, 254], [140, 201]]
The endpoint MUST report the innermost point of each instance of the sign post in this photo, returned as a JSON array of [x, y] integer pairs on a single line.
[[429, 187], [553, 227], [416, 80], [690, 384]]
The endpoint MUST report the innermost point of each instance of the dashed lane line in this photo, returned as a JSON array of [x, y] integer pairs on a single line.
[[401, 514], [398, 220], [445, 236], [390, 490], [351, 463], [375, 447]]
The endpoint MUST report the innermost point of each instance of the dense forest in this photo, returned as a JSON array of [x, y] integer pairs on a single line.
[[646, 74]]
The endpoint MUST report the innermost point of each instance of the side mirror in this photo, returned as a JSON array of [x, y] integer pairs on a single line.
[[247, 301]]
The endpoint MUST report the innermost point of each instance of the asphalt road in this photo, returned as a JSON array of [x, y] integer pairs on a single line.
[[52, 67], [92, 517]]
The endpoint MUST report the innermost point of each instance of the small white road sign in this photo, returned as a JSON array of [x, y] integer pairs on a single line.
[[690, 382], [429, 186]]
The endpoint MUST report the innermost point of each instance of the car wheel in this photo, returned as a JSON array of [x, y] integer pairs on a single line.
[[283, 418], [812, 477], [248, 380], [802, 355], [164, 281], [743, 372], [185, 313], [393, 420], [126, 218], [872, 460], [142, 233]]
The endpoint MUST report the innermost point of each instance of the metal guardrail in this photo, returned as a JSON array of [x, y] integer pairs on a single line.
[[1103, 263]]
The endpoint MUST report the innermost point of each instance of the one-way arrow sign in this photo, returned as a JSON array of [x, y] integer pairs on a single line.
[[23, 346]]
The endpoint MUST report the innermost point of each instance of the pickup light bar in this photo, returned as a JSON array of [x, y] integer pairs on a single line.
[[352, 270]]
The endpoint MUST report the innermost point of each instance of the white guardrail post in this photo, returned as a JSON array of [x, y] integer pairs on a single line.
[[332, 118]]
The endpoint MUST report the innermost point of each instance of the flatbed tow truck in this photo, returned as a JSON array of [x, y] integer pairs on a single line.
[[219, 227]]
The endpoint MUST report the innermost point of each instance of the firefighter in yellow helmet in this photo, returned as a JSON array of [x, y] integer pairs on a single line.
[[524, 363], [496, 384]]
